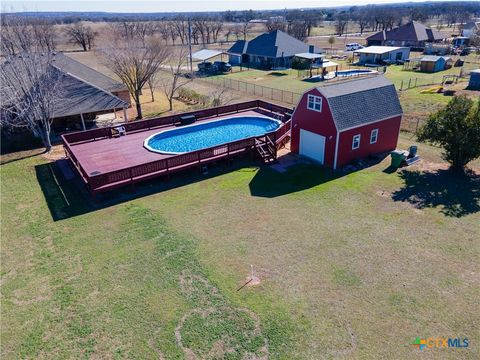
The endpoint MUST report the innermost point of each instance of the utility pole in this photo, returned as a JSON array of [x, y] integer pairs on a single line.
[[190, 44]]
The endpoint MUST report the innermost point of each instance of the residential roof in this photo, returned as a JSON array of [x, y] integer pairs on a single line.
[[76, 96], [378, 50], [273, 44], [309, 56], [205, 54], [68, 65], [434, 58], [239, 47], [471, 25], [412, 31], [362, 101]]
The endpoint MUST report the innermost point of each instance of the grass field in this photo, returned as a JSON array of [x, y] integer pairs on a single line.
[[354, 266]]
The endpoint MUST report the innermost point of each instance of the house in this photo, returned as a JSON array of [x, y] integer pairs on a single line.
[[474, 82], [431, 63], [339, 123], [413, 34], [271, 50], [82, 93], [471, 28], [380, 55]]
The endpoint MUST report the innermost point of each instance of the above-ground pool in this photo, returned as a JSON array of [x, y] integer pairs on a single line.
[[355, 72], [208, 134]]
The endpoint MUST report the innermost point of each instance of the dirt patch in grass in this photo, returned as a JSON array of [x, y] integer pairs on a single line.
[[214, 329]]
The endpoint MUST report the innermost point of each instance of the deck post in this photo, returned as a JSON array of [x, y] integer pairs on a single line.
[[125, 118], [83, 122]]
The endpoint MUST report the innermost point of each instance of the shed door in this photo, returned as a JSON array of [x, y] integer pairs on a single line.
[[312, 145]]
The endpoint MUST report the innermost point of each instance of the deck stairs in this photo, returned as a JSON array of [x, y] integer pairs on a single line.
[[266, 148]]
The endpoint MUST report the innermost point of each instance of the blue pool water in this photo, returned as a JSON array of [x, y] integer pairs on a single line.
[[208, 134], [354, 72]]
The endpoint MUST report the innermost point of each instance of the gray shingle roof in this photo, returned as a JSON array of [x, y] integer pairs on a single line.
[[273, 44], [75, 96], [358, 102], [239, 47], [68, 65], [412, 31]]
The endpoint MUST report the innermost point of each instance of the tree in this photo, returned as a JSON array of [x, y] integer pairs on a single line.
[[19, 34], [220, 97], [29, 92], [152, 82], [456, 128], [175, 79], [135, 64], [275, 23], [298, 29], [82, 35], [341, 23], [331, 41]]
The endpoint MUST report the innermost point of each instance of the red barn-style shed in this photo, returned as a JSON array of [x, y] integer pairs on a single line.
[[339, 123]]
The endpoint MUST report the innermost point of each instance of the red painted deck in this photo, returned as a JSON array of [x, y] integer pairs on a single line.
[[112, 154], [105, 162]]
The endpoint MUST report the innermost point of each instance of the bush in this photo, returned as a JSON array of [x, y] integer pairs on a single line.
[[300, 64]]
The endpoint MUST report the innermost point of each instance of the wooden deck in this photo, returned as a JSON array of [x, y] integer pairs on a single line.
[[105, 162]]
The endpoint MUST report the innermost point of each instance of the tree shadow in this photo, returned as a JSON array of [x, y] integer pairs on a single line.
[[457, 194], [270, 183]]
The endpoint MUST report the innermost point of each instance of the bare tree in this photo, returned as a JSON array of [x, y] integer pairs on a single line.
[[341, 23], [228, 32], [153, 82], [164, 28], [220, 96], [275, 24], [298, 29], [82, 35], [29, 84], [135, 64], [245, 26], [19, 34], [217, 27], [180, 24], [172, 83]]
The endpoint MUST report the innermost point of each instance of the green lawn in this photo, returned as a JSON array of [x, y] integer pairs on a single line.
[[354, 266]]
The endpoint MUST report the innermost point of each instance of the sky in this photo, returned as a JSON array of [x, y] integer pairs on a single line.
[[175, 6]]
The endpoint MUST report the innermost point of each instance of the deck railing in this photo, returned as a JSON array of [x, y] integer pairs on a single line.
[[140, 125], [130, 175]]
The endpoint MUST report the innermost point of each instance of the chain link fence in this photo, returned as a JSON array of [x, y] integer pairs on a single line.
[[284, 96]]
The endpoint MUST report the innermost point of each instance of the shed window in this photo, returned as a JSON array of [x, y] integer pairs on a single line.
[[373, 136], [356, 142], [314, 103]]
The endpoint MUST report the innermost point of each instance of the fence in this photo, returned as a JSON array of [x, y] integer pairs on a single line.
[[266, 92], [436, 79]]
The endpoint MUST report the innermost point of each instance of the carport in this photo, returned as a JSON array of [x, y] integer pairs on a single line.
[[317, 61]]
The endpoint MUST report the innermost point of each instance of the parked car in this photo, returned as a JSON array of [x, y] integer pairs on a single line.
[[208, 68], [353, 46], [222, 66]]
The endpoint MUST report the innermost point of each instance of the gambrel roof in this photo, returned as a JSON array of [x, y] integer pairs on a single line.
[[359, 102]]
